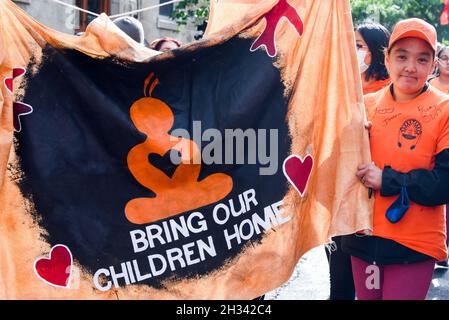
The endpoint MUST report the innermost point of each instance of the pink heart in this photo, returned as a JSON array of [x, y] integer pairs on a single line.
[[298, 171], [56, 269]]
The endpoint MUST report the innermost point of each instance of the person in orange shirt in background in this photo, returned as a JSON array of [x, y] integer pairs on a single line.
[[441, 81], [371, 41], [409, 142]]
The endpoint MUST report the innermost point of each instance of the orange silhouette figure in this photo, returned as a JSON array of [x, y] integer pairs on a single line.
[[180, 193]]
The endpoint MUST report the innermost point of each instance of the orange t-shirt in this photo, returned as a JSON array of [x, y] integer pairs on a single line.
[[437, 84], [408, 136], [376, 86]]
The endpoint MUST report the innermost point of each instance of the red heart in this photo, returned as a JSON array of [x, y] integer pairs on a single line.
[[298, 171], [8, 84], [16, 72], [57, 269]]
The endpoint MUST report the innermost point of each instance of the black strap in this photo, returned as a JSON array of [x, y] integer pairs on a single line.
[[424, 89]]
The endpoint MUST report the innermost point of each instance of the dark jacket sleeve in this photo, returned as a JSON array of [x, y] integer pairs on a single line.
[[424, 187]]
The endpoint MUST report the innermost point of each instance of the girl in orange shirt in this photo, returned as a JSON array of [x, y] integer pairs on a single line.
[[409, 142]]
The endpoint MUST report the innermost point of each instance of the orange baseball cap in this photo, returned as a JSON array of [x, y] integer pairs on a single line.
[[414, 28]]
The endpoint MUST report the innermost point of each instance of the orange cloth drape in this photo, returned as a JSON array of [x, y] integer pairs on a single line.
[[326, 117]]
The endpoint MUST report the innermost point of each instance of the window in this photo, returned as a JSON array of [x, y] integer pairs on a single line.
[[97, 6], [167, 9], [164, 21]]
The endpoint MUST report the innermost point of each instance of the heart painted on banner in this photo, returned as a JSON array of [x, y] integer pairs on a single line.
[[19, 108], [297, 171], [56, 269], [16, 73]]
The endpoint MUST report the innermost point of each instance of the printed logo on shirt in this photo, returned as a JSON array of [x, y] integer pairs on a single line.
[[409, 134]]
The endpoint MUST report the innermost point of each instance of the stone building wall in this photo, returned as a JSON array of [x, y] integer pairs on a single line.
[[61, 18]]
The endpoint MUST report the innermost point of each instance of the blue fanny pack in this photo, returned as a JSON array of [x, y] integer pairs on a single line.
[[399, 207]]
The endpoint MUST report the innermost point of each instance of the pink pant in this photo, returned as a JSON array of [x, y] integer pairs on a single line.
[[395, 282], [447, 225]]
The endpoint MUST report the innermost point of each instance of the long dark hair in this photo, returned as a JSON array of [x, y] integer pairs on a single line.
[[376, 37]]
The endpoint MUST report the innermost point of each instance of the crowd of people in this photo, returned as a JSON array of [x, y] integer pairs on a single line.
[[405, 79]]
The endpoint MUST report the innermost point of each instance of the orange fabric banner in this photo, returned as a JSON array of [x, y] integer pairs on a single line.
[[43, 255]]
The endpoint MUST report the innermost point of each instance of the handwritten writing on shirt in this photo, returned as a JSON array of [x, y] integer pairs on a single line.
[[387, 121], [384, 110], [429, 113]]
